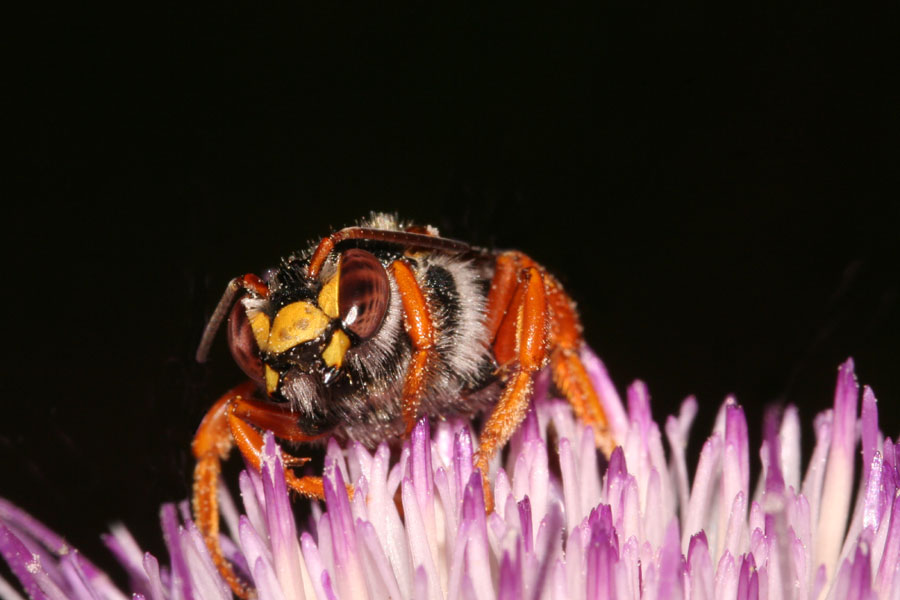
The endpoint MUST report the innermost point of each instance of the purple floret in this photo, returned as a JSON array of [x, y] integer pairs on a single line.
[[568, 522]]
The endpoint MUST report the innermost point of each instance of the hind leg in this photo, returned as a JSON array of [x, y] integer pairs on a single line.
[[569, 373]]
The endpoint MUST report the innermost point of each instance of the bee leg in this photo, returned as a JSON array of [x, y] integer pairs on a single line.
[[269, 416], [250, 442], [420, 329], [506, 273], [569, 373], [232, 419], [526, 323], [212, 444]]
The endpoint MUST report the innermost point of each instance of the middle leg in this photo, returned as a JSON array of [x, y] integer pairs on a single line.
[[526, 322]]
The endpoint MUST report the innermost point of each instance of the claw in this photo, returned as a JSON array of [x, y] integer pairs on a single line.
[[481, 463], [291, 461]]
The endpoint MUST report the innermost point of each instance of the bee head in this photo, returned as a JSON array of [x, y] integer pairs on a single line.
[[306, 329]]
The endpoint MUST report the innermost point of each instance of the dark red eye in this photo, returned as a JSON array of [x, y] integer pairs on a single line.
[[363, 292], [242, 343]]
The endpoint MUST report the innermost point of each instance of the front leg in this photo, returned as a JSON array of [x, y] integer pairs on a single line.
[[250, 443], [233, 419], [212, 444]]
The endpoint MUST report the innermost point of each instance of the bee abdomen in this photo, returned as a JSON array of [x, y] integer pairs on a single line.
[[456, 300]]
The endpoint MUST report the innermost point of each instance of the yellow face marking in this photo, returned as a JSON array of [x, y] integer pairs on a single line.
[[328, 297], [294, 324], [271, 379], [334, 353], [259, 324]]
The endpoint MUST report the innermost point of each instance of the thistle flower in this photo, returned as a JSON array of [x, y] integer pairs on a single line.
[[563, 527]]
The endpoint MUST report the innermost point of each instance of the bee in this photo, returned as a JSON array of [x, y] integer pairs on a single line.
[[373, 328]]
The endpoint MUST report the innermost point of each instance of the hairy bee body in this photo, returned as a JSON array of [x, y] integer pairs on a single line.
[[364, 403]]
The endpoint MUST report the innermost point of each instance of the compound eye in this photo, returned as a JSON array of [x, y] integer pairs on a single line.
[[363, 292], [242, 342]]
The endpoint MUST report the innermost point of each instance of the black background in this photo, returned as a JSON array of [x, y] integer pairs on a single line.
[[717, 188]]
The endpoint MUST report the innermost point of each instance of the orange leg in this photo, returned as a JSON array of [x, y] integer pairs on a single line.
[[420, 329], [250, 442], [526, 321], [506, 278], [212, 444], [271, 416], [227, 422], [503, 285], [569, 374]]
